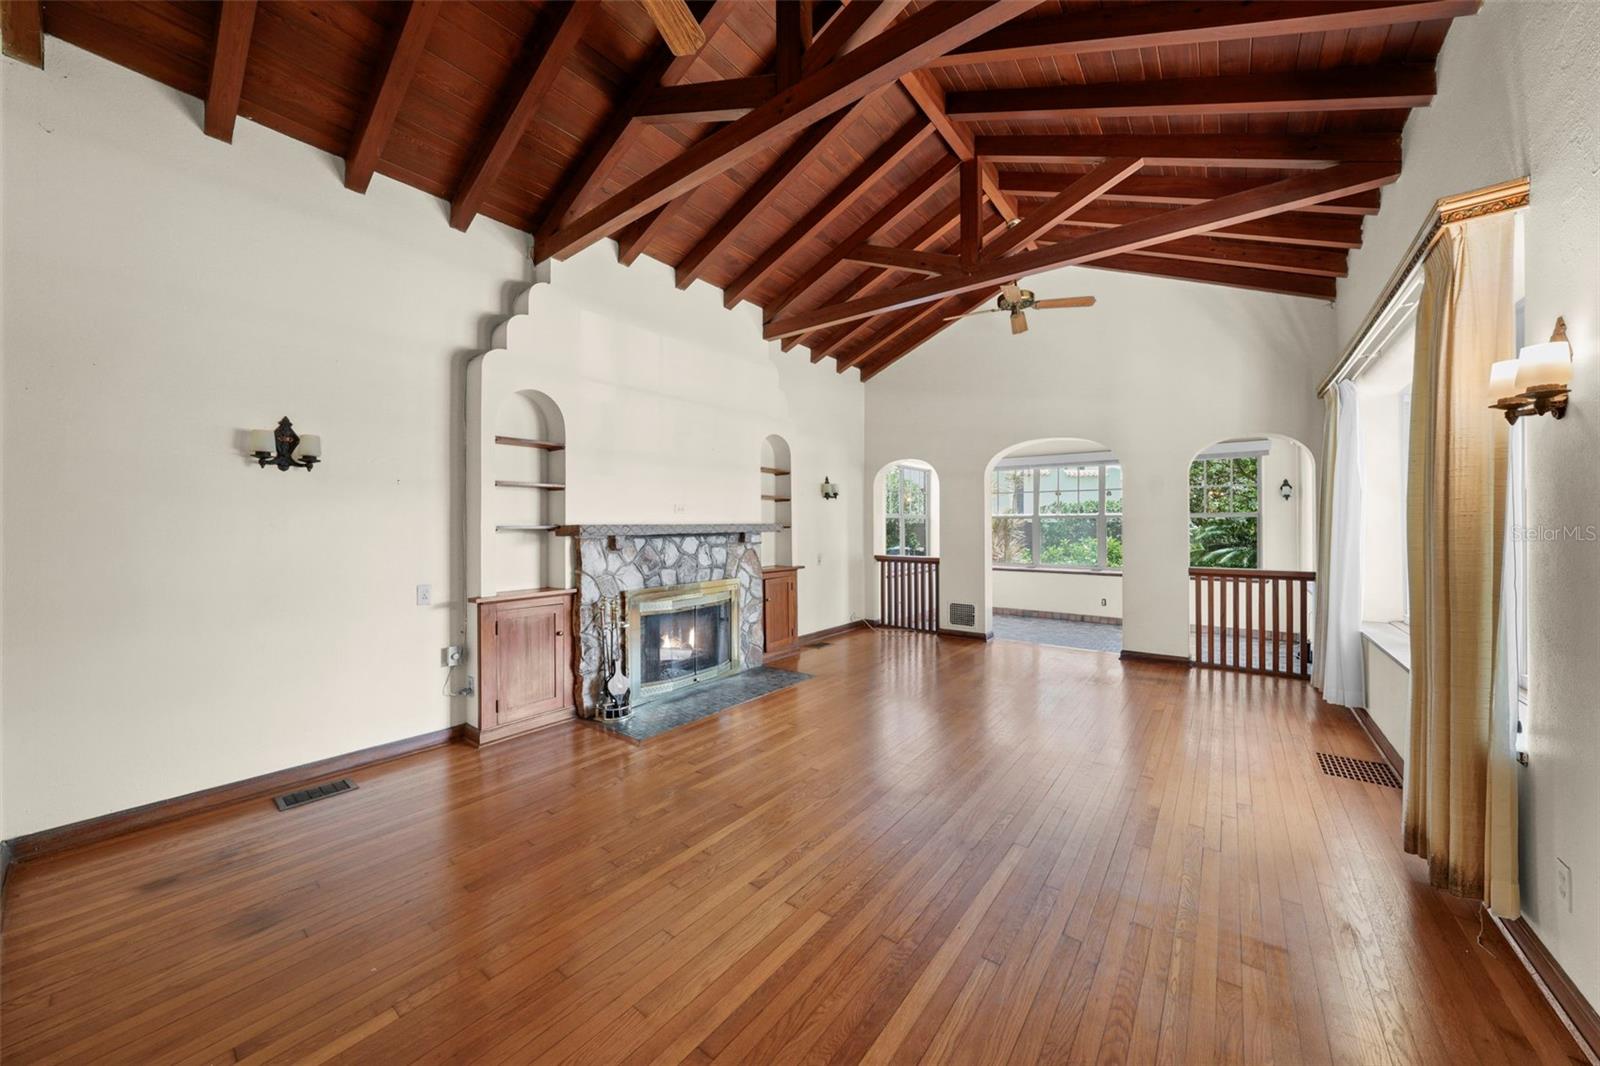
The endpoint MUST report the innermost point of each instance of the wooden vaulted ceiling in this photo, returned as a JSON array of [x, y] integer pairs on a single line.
[[859, 170]]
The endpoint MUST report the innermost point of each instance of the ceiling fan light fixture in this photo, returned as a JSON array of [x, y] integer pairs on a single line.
[[1019, 323]]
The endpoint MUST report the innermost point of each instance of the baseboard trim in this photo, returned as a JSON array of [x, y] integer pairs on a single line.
[[1390, 754], [799, 645], [1576, 1011], [479, 738], [1129, 655], [120, 823], [968, 634]]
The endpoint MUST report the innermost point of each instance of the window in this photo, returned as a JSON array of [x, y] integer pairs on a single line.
[[1062, 516], [1225, 512], [905, 510]]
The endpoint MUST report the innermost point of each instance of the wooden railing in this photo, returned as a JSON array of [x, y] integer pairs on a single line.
[[908, 592], [1253, 621]]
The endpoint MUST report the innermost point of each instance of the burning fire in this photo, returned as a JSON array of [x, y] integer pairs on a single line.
[[673, 648]]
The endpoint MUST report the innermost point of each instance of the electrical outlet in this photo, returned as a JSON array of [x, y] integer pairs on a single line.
[[424, 595], [454, 654], [1564, 884]]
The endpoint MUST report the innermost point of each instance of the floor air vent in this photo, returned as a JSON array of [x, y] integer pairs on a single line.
[[1373, 773], [821, 644], [315, 792], [963, 614]]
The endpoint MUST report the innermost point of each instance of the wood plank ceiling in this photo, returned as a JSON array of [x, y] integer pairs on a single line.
[[855, 169]]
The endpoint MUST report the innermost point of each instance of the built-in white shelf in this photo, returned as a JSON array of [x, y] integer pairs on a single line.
[[551, 485], [524, 529], [776, 499]]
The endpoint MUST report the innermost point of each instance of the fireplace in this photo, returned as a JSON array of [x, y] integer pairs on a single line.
[[681, 635]]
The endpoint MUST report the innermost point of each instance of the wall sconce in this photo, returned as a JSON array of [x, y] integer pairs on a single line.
[[284, 448], [1286, 490], [1538, 381], [830, 491]]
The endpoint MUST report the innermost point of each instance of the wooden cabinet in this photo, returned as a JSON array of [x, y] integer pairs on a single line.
[[525, 659], [781, 612]]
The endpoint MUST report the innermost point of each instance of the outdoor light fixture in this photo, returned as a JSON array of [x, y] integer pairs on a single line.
[[1286, 490], [284, 448], [1537, 382], [830, 491]]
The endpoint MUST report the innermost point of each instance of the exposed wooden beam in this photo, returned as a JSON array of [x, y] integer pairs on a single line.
[[633, 240], [1279, 196], [1064, 204], [676, 24], [594, 164], [897, 327], [913, 333], [929, 32], [553, 41], [1322, 288], [971, 212], [906, 333], [922, 238], [762, 191], [1343, 89], [854, 185], [908, 199], [707, 101], [1290, 227], [909, 259], [22, 31], [229, 52], [929, 96], [1181, 22], [1292, 259], [1171, 189], [857, 22], [1277, 151], [383, 105], [793, 38]]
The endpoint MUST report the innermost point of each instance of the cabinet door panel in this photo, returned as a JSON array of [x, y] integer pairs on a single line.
[[530, 661]]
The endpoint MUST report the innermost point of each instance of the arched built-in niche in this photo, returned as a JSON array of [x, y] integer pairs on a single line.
[[527, 499], [1053, 510], [777, 501]]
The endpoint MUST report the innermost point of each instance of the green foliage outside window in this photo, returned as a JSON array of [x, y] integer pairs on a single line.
[[1225, 512]]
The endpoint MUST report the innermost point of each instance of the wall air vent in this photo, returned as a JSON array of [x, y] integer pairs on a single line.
[[963, 614], [315, 792], [1373, 773]]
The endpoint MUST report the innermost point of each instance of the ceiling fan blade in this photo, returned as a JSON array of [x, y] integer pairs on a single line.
[[1019, 323], [677, 24], [1066, 301], [1011, 291]]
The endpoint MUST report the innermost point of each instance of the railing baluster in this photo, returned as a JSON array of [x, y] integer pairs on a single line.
[[908, 592], [1249, 621]]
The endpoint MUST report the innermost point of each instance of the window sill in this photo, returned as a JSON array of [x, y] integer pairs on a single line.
[[1391, 638], [1055, 570]]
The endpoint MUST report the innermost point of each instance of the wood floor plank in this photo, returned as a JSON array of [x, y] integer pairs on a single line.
[[936, 850]]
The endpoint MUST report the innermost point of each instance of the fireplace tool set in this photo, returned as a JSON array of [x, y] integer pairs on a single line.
[[616, 693]]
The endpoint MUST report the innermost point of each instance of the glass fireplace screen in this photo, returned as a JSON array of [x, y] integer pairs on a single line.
[[680, 645]]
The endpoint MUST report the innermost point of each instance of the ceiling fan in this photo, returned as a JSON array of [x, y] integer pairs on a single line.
[[1015, 300]]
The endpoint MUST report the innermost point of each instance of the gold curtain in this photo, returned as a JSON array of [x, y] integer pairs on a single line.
[[1460, 802]]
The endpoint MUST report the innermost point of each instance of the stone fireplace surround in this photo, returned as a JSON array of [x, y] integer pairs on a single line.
[[613, 559]]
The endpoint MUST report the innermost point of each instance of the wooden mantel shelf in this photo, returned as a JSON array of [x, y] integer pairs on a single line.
[[519, 594], [780, 569]]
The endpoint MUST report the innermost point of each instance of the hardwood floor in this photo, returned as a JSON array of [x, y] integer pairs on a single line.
[[935, 851]]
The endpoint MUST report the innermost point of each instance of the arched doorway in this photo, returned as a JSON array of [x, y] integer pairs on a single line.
[[905, 525], [1054, 513], [1252, 529]]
